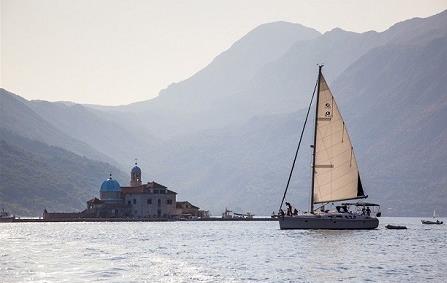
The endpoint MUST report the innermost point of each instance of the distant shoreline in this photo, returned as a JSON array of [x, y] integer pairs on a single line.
[[40, 220]]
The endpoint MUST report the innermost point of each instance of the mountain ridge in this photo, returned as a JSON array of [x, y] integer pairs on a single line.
[[16, 116], [225, 142]]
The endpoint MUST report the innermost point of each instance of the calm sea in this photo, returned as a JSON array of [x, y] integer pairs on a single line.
[[220, 252]]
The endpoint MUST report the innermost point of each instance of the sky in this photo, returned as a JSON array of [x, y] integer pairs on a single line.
[[112, 52]]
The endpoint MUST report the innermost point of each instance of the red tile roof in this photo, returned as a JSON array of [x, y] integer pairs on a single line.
[[146, 188]]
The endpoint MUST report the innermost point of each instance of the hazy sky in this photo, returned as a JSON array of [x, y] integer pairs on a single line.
[[116, 52]]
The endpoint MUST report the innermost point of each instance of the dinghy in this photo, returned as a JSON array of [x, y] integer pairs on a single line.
[[431, 222], [397, 227]]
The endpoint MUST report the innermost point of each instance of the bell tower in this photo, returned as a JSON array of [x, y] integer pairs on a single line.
[[135, 175]]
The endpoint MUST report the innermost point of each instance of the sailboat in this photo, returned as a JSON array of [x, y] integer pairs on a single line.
[[335, 174], [432, 221]]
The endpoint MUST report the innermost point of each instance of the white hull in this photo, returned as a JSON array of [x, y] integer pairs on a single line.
[[340, 221]]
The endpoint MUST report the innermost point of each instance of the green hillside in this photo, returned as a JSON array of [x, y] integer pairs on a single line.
[[34, 176]]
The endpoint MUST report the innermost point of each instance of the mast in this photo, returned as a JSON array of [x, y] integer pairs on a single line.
[[299, 144], [315, 141]]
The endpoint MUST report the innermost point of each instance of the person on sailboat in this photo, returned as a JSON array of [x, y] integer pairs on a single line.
[[368, 211], [295, 211], [289, 209], [281, 212]]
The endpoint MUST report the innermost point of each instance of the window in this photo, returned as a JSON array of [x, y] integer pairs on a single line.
[[149, 201], [134, 201], [156, 191], [129, 202], [159, 202], [169, 201]]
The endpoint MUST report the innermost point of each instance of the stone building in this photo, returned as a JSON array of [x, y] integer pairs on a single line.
[[138, 200], [186, 210], [150, 200]]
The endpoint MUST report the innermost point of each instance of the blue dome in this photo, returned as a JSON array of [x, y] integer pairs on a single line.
[[110, 185], [136, 170]]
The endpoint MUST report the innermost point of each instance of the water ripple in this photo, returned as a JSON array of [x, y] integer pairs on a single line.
[[219, 251]]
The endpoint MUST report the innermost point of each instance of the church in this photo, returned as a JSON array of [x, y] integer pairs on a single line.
[[135, 201], [138, 200]]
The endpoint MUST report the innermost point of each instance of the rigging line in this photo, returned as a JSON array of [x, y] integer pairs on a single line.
[[298, 148], [324, 203]]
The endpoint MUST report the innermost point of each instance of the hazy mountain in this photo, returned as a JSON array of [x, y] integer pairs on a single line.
[[226, 136], [34, 176], [245, 164], [283, 85], [393, 100], [243, 81], [17, 117], [213, 96], [416, 30], [231, 69], [241, 167], [122, 142], [399, 111]]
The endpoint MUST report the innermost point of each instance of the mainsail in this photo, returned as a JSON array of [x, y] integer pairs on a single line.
[[336, 175]]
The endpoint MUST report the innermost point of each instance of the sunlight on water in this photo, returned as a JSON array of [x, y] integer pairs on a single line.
[[219, 251]]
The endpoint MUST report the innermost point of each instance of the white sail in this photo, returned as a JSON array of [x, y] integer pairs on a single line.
[[336, 172]]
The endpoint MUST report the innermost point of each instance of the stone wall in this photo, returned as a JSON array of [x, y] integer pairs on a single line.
[[151, 205]]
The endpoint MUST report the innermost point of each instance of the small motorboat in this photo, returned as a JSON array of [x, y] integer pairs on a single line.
[[397, 227], [431, 222], [6, 217], [228, 214]]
